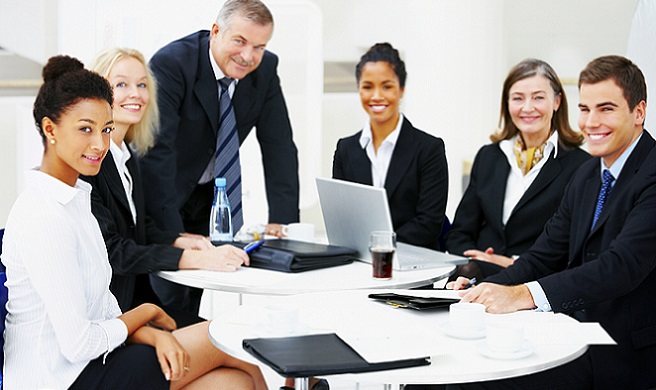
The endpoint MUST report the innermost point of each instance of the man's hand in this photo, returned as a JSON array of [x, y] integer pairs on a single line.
[[499, 299], [490, 257]]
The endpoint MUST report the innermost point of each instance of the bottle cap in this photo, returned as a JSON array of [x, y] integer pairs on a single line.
[[220, 182]]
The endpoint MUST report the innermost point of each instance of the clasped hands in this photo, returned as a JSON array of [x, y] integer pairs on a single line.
[[496, 298]]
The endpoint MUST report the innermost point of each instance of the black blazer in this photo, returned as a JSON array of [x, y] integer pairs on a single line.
[[607, 275], [133, 249], [417, 181], [478, 220], [189, 115]]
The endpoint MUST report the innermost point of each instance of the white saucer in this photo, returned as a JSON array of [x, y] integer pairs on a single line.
[[459, 333], [526, 350], [265, 331]]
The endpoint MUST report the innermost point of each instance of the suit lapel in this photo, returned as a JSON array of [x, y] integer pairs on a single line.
[[402, 156], [629, 170], [114, 182], [547, 174], [243, 101], [358, 162], [206, 88]]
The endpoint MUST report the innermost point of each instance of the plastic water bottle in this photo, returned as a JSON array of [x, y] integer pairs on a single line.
[[220, 218]]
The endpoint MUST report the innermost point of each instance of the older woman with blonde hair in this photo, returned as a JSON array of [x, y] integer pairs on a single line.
[[136, 246]]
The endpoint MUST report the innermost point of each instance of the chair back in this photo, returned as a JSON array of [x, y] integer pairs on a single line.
[[3, 308], [446, 226]]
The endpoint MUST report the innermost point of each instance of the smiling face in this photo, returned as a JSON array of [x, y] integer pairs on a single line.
[[238, 50], [606, 121], [531, 104], [129, 81], [81, 140], [380, 93]]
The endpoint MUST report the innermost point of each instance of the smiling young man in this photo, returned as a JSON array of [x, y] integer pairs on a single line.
[[596, 259], [179, 170]]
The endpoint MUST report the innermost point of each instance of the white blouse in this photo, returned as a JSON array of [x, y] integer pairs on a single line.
[[61, 314]]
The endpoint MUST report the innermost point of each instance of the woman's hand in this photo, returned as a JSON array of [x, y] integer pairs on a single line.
[[163, 321], [490, 257], [227, 258], [173, 358], [192, 241]]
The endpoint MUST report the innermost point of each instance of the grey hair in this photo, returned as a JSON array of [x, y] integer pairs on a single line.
[[253, 10]]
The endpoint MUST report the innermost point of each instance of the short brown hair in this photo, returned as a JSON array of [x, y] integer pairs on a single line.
[[620, 69]]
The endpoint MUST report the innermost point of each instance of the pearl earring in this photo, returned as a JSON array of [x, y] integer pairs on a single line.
[[52, 141]]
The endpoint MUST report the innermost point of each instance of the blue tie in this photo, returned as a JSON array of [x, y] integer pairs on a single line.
[[606, 186], [227, 163]]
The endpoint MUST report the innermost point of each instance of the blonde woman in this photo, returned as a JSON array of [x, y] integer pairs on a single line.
[[136, 246]]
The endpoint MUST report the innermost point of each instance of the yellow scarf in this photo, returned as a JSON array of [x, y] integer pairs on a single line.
[[527, 158]]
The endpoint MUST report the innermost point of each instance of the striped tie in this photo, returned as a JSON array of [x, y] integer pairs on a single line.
[[226, 163], [606, 186]]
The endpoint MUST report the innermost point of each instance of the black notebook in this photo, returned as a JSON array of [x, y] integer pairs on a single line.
[[298, 256], [316, 355]]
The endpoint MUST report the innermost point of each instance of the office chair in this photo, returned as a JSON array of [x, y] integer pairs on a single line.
[[3, 307], [446, 226]]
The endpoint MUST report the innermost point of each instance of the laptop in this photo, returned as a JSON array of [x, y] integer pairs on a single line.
[[351, 211]]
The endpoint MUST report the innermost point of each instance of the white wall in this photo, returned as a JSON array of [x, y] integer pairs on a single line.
[[457, 54]]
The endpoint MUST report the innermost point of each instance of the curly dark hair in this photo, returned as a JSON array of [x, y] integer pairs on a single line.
[[65, 83], [386, 53]]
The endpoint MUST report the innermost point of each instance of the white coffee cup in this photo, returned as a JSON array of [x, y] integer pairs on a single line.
[[299, 231], [280, 320], [467, 316], [504, 336]]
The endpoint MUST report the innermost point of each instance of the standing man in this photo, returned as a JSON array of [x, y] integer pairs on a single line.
[[596, 259], [214, 87]]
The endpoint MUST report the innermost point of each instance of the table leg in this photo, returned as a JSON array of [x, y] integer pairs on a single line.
[[387, 386], [302, 384]]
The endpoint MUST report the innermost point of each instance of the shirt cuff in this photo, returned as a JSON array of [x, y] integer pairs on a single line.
[[539, 297], [116, 332]]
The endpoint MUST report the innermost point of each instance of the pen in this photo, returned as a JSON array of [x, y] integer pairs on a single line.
[[253, 245], [471, 283]]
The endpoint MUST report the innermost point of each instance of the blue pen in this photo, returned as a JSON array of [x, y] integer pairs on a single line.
[[471, 283], [253, 245]]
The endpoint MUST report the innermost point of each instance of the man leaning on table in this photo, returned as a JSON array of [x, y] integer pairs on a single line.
[[597, 271], [214, 87]]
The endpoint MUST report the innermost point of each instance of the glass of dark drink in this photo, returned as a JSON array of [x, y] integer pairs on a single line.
[[382, 246]]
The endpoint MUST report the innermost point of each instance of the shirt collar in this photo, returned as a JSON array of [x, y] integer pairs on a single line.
[[218, 74], [617, 166], [121, 154], [552, 144], [365, 137], [55, 188]]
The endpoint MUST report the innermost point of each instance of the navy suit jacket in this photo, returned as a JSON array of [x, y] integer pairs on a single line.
[[133, 249], [478, 220], [417, 181], [189, 121], [607, 274]]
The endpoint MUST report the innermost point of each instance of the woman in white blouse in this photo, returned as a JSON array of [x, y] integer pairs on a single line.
[[64, 327]]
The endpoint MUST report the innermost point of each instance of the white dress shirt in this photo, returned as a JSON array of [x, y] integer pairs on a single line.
[[121, 155], [61, 314], [517, 182], [380, 160]]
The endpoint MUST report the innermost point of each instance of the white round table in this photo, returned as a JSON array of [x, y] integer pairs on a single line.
[[357, 275], [453, 360]]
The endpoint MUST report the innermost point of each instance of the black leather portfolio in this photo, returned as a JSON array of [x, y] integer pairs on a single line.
[[316, 355], [416, 303], [298, 256]]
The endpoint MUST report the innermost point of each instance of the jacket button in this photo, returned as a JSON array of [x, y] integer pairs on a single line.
[[210, 151]]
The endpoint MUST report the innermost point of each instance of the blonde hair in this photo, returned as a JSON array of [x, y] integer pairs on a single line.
[[141, 135]]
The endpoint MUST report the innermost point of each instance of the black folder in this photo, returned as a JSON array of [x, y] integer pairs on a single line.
[[317, 355], [298, 256]]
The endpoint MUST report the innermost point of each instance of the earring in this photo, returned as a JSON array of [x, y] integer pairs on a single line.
[[52, 141]]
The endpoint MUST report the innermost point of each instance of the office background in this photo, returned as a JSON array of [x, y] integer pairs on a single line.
[[457, 54]]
